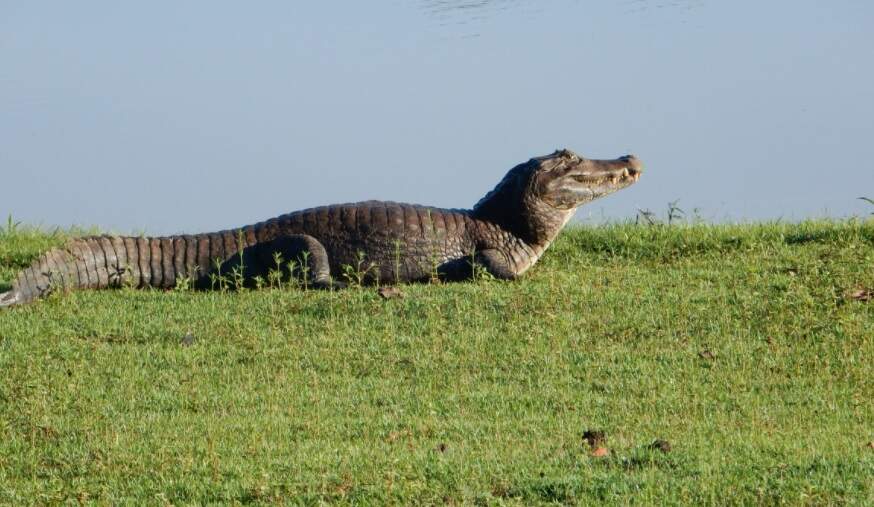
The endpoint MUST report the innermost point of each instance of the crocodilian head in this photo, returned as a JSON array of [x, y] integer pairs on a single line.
[[537, 198], [564, 180]]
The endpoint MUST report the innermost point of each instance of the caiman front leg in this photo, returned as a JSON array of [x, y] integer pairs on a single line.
[[302, 249], [493, 261], [496, 263]]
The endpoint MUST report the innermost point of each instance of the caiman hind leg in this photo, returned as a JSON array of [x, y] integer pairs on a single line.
[[302, 251]]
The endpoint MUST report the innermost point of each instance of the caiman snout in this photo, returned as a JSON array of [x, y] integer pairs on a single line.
[[620, 171], [633, 164], [629, 168]]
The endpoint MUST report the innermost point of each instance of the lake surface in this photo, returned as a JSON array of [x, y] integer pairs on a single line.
[[167, 117]]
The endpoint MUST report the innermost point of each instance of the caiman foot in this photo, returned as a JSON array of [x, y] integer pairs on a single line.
[[329, 285]]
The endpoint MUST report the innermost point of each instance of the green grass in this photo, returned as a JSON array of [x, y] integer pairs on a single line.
[[738, 344]]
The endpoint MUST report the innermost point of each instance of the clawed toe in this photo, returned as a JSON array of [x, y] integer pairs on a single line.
[[329, 285]]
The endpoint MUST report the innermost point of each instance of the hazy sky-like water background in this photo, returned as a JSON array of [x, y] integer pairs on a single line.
[[170, 117]]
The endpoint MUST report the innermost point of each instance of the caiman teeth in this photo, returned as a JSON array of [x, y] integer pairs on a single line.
[[626, 175]]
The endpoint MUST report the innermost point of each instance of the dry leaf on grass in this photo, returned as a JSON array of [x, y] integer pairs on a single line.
[[390, 292], [862, 294]]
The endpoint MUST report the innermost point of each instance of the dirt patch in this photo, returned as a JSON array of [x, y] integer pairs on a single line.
[[595, 438], [660, 445]]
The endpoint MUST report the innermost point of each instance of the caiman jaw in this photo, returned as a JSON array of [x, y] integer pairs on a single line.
[[623, 177]]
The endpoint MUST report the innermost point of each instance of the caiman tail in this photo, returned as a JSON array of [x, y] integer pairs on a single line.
[[117, 261]]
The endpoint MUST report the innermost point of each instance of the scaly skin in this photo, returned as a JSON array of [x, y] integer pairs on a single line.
[[506, 232]]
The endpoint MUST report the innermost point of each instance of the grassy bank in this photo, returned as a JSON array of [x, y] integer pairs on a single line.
[[749, 349]]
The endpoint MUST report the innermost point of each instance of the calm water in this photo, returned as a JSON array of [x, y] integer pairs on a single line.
[[167, 118]]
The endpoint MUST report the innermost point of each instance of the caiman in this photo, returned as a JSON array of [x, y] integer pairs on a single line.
[[505, 233]]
